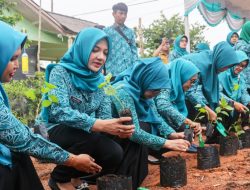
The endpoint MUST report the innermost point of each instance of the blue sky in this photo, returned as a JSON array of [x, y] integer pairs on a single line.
[[148, 10]]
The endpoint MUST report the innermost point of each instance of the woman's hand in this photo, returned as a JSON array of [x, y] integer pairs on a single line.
[[212, 115], [179, 135], [177, 144], [196, 126], [240, 107], [115, 127], [84, 163]]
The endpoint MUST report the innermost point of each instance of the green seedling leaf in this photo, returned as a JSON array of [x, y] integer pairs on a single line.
[[109, 89], [201, 117], [236, 87], [229, 108], [202, 110], [102, 85], [45, 90], [240, 132], [49, 85], [108, 77], [53, 98], [30, 94], [46, 103], [219, 118], [218, 110], [225, 113], [223, 102], [198, 106]]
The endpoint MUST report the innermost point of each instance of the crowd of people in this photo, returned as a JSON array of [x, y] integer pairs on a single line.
[[88, 137]]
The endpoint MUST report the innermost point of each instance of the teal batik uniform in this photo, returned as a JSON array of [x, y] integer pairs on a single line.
[[209, 63], [13, 134], [244, 45], [170, 102], [122, 54], [146, 74], [17, 141], [80, 99], [81, 103], [228, 80]]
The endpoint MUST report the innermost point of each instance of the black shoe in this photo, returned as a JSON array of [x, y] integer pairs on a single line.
[[52, 184]]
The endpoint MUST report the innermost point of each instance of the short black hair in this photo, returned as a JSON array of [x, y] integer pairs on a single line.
[[99, 26], [121, 7]]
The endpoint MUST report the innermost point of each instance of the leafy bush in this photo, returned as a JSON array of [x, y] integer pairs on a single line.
[[24, 104]]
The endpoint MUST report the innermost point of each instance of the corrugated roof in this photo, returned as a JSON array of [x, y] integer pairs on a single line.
[[71, 24]]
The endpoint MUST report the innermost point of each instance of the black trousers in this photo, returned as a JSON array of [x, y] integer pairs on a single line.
[[22, 175], [135, 159], [107, 153]]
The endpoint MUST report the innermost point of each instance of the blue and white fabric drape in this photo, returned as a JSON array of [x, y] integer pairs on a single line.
[[236, 12]]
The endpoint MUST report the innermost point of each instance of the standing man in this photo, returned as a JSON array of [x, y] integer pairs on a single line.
[[123, 48]]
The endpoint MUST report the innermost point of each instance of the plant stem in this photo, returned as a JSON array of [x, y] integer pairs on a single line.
[[197, 116], [119, 101], [38, 107]]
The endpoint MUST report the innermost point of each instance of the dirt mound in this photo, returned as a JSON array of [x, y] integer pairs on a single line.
[[234, 173]]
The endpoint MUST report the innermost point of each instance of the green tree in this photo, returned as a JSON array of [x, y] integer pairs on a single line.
[[170, 28], [5, 14]]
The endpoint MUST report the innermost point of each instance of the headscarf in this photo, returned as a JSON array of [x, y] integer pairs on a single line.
[[209, 63], [245, 32], [75, 60], [146, 74], [177, 48], [228, 78], [201, 47], [10, 41], [229, 36], [180, 71]]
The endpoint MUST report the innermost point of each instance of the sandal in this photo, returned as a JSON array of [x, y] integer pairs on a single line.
[[83, 186], [153, 160]]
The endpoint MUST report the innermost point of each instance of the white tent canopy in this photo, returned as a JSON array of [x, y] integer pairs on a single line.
[[235, 12]]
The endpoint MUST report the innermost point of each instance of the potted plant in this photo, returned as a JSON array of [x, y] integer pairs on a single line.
[[244, 137], [229, 142], [202, 112], [173, 171], [110, 90], [116, 182], [188, 132], [207, 155]]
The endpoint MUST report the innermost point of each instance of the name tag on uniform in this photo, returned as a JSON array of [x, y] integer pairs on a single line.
[[74, 99]]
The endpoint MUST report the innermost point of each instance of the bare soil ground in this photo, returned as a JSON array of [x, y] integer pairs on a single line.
[[234, 173]]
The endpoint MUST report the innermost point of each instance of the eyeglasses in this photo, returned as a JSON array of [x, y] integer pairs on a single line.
[[241, 66]]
